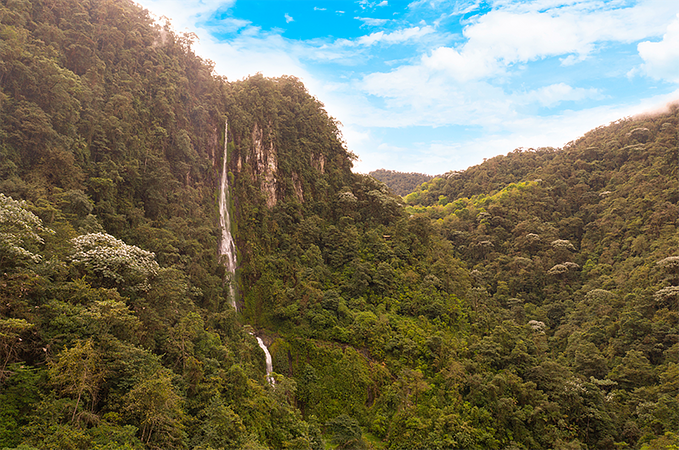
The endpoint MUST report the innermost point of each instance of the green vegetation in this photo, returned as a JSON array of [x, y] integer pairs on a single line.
[[400, 183], [528, 302]]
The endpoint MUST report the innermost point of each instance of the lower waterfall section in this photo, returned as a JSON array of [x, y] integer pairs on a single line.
[[269, 363]]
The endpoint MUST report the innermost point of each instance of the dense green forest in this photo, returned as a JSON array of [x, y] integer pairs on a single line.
[[401, 183], [530, 302]]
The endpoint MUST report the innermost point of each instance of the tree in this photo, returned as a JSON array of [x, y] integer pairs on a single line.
[[633, 371], [346, 432], [19, 228], [669, 441], [154, 402], [221, 428], [10, 332], [113, 262], [78, 371], [112, 317]]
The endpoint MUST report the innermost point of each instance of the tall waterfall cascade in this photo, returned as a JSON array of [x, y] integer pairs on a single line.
[[227, 247]]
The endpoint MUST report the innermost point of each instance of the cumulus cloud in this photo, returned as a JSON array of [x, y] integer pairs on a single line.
[[661, 59], [414, 96], [288, 18], [504, 37], [467, 83], [513, 34]]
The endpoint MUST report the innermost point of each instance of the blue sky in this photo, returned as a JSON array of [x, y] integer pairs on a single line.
[[433, 85]]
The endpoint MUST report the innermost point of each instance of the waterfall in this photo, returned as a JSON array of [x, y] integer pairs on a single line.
[[269, 363], [227, 247]]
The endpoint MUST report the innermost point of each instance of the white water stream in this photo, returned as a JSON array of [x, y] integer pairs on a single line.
[[269, 363], [227, 247]]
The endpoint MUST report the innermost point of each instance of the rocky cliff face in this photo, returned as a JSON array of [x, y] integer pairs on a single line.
[[265, 163], [284, 142]]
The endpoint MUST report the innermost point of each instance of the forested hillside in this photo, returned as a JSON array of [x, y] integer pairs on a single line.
[[530, 302], [115, 331], [401, 183]]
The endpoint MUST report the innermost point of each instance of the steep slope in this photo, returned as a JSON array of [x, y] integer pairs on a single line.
[[111, 126]]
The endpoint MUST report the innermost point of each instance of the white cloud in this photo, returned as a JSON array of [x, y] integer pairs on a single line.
[[396, 37], [370, 22], [367, 4], [519, 33], [508, 38], [437, 157], [185, 14], [316, 8], [468, 83], [288, 18], [440, 156], [661, 59], [451, 7], [241, 59], [353, 52], [470, 64], [554, 94]]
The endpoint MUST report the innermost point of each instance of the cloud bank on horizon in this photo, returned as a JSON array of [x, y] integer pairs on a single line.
[[437, 85]]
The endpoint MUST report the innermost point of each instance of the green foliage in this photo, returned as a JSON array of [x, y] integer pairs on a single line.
[[346, 432], [157, 407], [528, 302], [20, 390], [400, 183], [79, 372]]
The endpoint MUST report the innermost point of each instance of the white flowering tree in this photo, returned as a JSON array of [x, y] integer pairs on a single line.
[[19, 228], [114, 262], [564, 244], [670, 267]]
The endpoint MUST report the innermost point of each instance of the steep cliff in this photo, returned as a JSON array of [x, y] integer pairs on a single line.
[[282, 140]]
